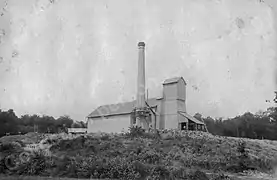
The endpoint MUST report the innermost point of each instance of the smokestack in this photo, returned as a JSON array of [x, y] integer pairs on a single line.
[[141, 76]]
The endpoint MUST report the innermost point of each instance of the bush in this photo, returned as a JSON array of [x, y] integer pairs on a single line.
[[7, 147], [150, 156], [221, 176], [178, 173], [135, 131], [99, 167], [69, 144], [2, 166], [243, 156], [37, 165], [159, 172]]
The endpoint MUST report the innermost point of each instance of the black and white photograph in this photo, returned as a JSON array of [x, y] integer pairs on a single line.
[[138, 89]]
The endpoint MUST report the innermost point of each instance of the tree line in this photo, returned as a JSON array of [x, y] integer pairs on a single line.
[[261, 125], [254, 126], [11, 124]]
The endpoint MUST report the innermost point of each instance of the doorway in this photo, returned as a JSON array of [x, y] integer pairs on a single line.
[[183, 126], [191, 125]]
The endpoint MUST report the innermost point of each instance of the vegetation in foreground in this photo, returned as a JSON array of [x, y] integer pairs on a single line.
[[141, 155]]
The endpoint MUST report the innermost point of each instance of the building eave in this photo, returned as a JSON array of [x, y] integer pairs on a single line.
[[108, 115], [189, 117], [174, 80]]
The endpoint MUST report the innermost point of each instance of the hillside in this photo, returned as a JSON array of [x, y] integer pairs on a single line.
[[137, 155]]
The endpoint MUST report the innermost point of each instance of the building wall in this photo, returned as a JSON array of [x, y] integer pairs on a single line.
[[181, 96], [181, 90], [171, 121], [170, 107], [109, 124], [170, 91], [174, 101], [181, 106], [169, 117], [159, 113]]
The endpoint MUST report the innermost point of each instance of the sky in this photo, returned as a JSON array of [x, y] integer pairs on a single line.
[[67, 57]]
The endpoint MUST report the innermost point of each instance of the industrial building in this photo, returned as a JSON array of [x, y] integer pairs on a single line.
[[166, 112]]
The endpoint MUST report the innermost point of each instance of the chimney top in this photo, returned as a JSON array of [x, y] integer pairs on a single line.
[[141, 44]]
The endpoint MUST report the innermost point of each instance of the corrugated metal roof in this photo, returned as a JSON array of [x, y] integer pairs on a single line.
[[191, 118], [117, 109], [173, 80]]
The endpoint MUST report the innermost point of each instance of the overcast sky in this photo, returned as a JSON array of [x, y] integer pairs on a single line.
[[68, 57]]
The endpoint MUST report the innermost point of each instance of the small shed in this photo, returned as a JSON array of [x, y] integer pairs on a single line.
[[77, 130]]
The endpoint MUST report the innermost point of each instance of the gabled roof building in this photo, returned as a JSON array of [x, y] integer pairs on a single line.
[[169, 112], [166, 112]]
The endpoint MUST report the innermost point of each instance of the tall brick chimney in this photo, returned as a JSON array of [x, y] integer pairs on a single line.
[[140, 103], [141, 113]]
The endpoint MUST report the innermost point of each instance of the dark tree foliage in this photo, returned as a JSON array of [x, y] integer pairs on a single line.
[[8, 122], [11, 124], [247, 125], [262, 125]]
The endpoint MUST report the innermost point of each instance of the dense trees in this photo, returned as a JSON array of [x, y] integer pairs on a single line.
[[10, 123], [248, 125], [262, 125]]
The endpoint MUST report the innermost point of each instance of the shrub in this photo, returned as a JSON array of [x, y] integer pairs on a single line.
[[244, 161], [100, 167], [69, 144], [7, 147], [221, 176], [198, 175], [178, 173], [37, 165], [159, 172], [135, 131], [105, 137], [62, 165], [2, 166], [150, 156]]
